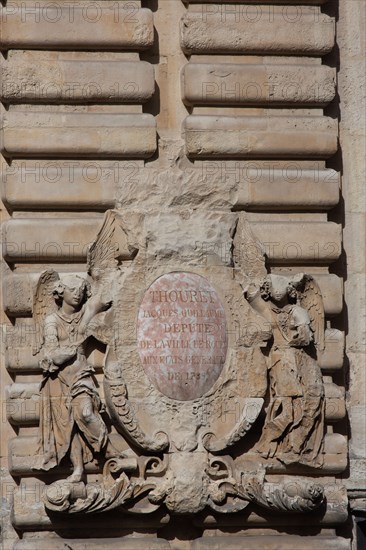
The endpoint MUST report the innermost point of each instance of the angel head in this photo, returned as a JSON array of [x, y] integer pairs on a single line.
[[279, 289], [71, 289]]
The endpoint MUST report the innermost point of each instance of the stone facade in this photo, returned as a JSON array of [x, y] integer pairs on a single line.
[[183, 274]]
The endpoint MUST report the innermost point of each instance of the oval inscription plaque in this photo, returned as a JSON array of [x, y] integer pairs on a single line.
[[182, 335]]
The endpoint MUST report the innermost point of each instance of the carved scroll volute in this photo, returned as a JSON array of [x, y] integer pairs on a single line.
[[122, 411]]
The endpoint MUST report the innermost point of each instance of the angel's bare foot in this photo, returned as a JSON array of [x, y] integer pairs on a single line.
[[267, 447], [76, 476]]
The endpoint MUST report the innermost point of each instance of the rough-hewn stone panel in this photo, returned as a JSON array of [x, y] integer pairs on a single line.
[[83, 25], [209, 33], [35, 78]]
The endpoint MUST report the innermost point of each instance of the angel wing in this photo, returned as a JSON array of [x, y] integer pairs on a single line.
[[43, 304], [109, 247], [311, 299], [249, 252]]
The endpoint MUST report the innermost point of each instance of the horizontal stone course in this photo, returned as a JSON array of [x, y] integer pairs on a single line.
[[37, 240], [61, 195], [23, 447], [257, 84], [96, 135], [300, 189], [300, 242], [85, 25], [209, 136], [256, 33], [258, 2], [22, 405], [74, 81], [18, 291]]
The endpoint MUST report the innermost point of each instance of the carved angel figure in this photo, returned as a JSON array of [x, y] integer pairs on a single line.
[[70, 410], [294, 425]]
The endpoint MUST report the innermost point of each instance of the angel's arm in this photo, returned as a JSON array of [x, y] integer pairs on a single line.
[[96, 304], [301, 326], [253, 297], [54, 352]]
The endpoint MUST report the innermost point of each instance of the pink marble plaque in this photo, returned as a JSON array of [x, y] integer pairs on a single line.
[[182, 335]]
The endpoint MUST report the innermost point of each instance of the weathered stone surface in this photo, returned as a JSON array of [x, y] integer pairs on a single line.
[[125, 543], [331, 287], [84, 25], [270, 542], [60, 80], [289, 188], [251, 32], [22, 405], [217, 7], [333, 356], [260, 137], [263, 442], [52, 239], [27, 134], [60, 185], [335, 403], [300, 242], [251, 84]]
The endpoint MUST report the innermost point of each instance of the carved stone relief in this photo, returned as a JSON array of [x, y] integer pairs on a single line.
[[183, 344]]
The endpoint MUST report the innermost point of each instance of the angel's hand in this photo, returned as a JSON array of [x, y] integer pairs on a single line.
[[251, 291], [104, 301], [96, 304], [53, 368], [47, 365], [63, 354], [302, 337]]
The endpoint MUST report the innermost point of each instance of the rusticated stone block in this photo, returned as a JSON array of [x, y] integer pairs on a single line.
[[249, 542], [336, 452], [125, 543], [331, 287], [260, 137], [60, 80], [333, 356], [252, 84], [20, 359], [279, 542], [300, 242], [288, 189], [60, 185], [22, 404], [256, 32], [23, 448], [53, 239], [35, 134], [82, 25], [274, 2], [335, 402]]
